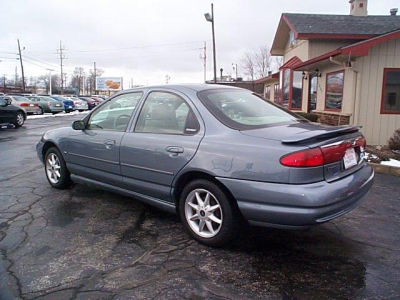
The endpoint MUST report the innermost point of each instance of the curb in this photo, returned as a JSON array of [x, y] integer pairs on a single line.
[[383, 169]]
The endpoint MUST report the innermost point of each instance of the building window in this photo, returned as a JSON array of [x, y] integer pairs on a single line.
[[292, 89], [277, 94], [268, 92], [297, 90], [292, 38], [391, 91], [334, 91]]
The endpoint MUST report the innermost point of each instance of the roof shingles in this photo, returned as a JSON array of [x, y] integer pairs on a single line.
[[342, 24]]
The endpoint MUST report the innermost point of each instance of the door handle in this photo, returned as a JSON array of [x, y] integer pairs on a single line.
[[174, 149], [109, 144]]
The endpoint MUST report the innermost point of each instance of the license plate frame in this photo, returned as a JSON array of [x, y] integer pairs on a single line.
[[350, 158]]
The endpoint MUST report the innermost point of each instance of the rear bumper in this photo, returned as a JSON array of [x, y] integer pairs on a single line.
[[56, 109], [296, 206]]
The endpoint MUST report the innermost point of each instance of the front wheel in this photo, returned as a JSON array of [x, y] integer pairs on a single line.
[[207, 213], [56, 171], [19, 120]]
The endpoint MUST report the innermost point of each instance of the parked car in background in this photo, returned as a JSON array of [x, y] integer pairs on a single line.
[[91, 102], [29, 106], [214, 154], [11, 114], [47, 104], [96, 98], [100, 97], [68, 104], [79, 104]]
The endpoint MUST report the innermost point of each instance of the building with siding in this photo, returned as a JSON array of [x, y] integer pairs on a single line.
[[344, 68]]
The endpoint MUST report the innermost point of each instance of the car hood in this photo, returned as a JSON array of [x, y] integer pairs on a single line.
[[299, 132]]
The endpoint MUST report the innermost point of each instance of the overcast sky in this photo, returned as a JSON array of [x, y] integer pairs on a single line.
[[145, 40]]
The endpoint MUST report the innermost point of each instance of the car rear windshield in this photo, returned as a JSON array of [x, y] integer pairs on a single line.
[[243, 110]]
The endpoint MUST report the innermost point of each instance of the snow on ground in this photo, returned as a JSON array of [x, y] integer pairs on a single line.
[[391, 162], [61, 114]]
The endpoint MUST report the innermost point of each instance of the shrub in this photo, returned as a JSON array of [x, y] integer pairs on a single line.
[[394, 141], [309, 116]]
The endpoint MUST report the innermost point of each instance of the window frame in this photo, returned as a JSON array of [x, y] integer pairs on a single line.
[[143, 102], [89, 116], [382, 110], [326, 90], [290, 98], [268, 92]]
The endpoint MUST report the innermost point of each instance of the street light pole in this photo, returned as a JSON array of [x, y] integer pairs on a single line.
[[210, 18], [50, 90]]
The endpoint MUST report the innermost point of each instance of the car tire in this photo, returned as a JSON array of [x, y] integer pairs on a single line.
[[198, 218], [56, 170], [19, 120], [41, 112]]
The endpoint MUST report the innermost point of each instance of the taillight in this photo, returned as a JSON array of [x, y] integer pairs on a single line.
[[49, 103], [322, 155], [36, 104], [335, 153], [306, 158], [361, 142], [24, 104]]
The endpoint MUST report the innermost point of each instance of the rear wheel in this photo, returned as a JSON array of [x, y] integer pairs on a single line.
[[56, 171], [41, 112], [207, 213], [19, 120]]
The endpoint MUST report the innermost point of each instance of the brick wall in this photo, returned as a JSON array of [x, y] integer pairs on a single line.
[[332, 119]]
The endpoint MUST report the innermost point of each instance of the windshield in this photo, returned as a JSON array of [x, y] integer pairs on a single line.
[[242, 110]]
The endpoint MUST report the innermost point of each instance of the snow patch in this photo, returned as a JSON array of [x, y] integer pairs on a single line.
[[61, 114], [391, 162]]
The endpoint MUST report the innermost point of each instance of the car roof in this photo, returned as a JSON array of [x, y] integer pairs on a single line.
[[181, 87]]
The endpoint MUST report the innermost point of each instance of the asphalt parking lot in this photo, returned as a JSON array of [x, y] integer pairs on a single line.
[[85, 243]]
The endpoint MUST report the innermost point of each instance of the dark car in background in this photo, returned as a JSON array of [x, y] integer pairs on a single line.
[[91, 102], [216, 155], [68, 104], [47, 104], [11, 114]]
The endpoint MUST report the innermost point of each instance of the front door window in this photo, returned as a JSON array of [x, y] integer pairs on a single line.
[[115, 114]]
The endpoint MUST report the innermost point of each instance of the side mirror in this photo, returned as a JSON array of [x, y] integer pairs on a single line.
[[8, 101], [78, 125]]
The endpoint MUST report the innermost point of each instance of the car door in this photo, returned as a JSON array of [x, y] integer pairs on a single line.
[[94, 152], [7, 112], [165, 138]]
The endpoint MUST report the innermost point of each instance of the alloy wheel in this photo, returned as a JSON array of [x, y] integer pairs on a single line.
[[203, 213], [53, 168], [20, 119]]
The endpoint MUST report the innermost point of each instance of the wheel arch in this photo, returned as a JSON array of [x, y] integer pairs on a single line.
[[189, 176], [47, 145]]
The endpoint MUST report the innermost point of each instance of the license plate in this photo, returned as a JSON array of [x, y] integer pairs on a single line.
[[58, 104], [350, 158], [70, 106], [31, 104]]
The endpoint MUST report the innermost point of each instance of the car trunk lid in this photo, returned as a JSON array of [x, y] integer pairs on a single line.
[[340, 146]]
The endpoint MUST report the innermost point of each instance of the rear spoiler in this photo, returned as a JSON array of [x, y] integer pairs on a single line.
[[329, 132]]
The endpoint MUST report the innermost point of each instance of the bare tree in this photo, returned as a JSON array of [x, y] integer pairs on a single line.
[[262, 60], [278, 62], [249, 65], [76, 81]]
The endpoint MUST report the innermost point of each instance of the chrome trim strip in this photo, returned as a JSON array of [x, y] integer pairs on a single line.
[[94, 158], [146, 169]]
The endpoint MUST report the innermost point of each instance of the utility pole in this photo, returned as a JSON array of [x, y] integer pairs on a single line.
[[4, 83], [61, 57], [22, 67], [94, 79], [50, 91]]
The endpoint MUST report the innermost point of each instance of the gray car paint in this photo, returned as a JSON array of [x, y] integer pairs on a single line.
[[245, 162]]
